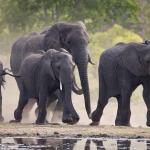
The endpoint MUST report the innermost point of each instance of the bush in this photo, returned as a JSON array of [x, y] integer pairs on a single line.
[[100, 41]]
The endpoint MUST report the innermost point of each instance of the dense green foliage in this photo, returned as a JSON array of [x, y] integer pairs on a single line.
[[18, 15], [103, 40]]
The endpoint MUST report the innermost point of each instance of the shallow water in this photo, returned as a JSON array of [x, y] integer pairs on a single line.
[[67, 143]]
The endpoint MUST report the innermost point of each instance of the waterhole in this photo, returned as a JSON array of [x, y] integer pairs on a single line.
[[67, 143]]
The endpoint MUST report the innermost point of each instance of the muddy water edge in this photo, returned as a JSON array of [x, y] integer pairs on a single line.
[[76, 137]]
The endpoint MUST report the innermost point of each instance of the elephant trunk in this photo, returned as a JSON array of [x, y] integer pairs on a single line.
[[75, 87], [82, 64]]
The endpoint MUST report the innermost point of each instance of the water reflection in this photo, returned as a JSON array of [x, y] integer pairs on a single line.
[[148, 144], [121, 144], [67, 143]]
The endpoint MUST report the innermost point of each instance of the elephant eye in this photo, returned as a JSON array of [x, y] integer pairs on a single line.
[[69, 42]]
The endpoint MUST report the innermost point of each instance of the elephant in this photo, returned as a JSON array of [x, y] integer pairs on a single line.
[[3, 72], [43, 74], [121, 69], [1, 84], [71, 36], [146, 42]]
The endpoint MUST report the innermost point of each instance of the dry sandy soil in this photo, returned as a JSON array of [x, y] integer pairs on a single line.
[[10, 98], [73, 130]]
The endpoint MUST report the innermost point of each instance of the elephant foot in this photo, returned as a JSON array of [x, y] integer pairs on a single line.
[[53, 123], [39, 122], [148, 123], [122, 123], [148, 119], [46, 121], [95, 116], [14, 121], [70, 118], [18, 115], [94, 123], [1, 119]]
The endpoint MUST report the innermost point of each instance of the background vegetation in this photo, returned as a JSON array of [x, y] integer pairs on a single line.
[[108, 22]]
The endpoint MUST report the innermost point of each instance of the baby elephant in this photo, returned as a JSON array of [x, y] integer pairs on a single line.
[[42, 75]]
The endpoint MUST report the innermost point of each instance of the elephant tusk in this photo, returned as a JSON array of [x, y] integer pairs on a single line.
[[60, 86], [90, 61]]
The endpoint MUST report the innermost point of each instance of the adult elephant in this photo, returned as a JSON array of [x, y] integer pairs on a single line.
[[72, 37], [1, 84], [42, 75], [3, 72], [121, 69]]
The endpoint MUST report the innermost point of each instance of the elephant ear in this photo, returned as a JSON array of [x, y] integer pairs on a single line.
[[48, 64], [80, 23], [51, 71], [52, 38], [131, 59]]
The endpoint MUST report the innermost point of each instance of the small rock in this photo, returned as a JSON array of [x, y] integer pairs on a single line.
[[56, 133]]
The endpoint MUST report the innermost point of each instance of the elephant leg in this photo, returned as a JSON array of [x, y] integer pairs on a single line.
[[102, 102], [51, 104], [125, 107], [23, 99], [118, 117], [42, 107], [146, 96], [58, 112], [70, 115], [28, 108], [1, 117]]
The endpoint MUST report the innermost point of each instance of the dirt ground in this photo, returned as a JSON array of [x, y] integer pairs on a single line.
[[72, 131], [138, 117]]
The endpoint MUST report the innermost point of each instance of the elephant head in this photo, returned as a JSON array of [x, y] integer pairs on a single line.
[[75, 87], [136, 58], [59, 66], [74, 38]]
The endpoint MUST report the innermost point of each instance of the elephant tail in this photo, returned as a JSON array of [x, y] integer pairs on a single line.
[[6, 72]]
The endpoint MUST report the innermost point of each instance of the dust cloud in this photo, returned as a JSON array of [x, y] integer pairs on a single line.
[[11, 94]]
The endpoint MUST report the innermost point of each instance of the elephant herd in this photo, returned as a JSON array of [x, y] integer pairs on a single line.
[[43, 65]]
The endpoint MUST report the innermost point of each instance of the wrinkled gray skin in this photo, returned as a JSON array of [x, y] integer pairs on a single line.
[[72, 37], [1, 83], [121, 69], [40, 76]]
